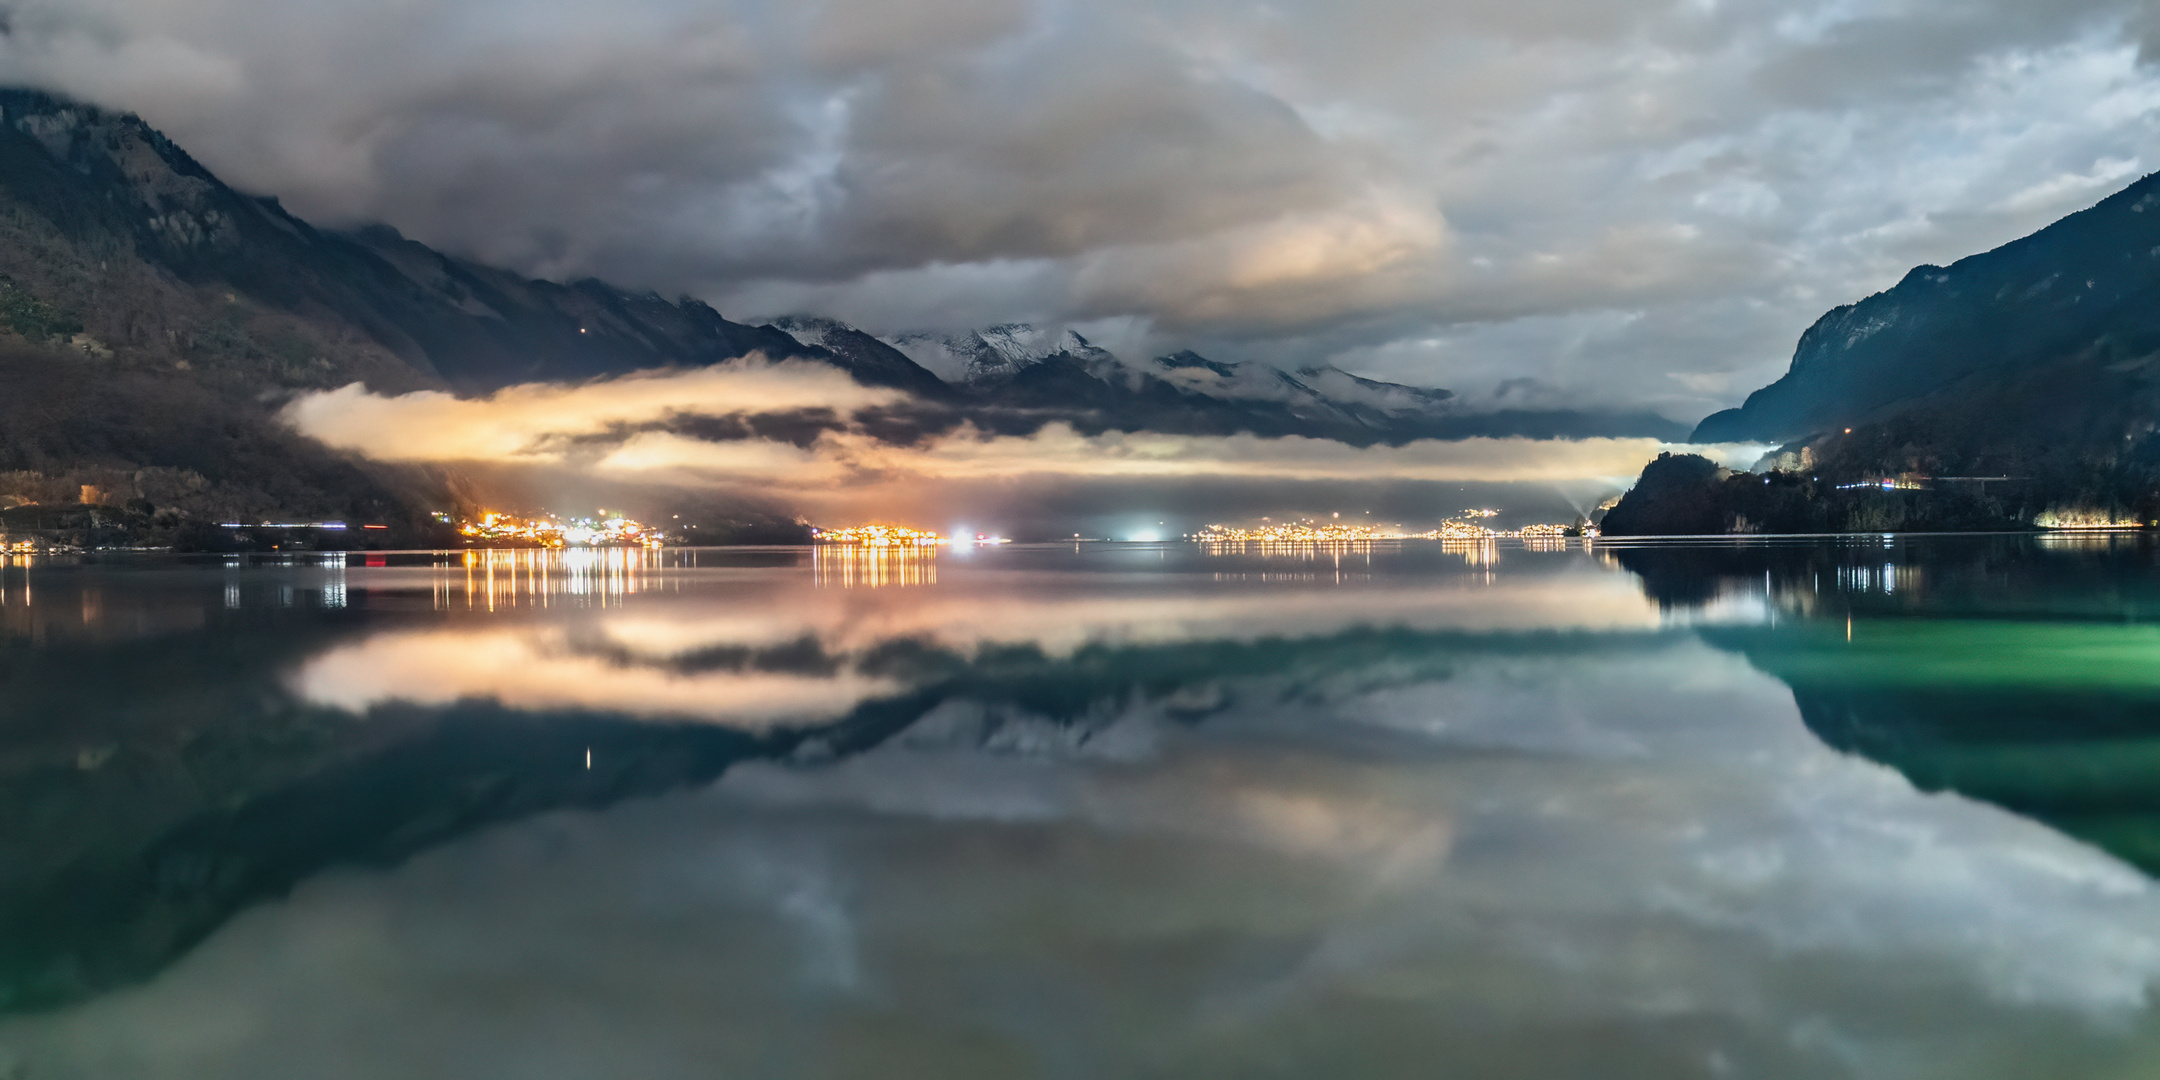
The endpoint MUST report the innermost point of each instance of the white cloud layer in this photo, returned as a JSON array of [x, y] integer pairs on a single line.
[[1635, 200], [541, 669], [613, 429], [535, 421]]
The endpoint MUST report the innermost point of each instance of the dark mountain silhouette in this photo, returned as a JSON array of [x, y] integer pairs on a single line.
[[2015, 387], [2058, 330], [108, 220]]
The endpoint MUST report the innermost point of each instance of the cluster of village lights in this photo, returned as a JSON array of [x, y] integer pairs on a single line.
[[603, 531], [1464, 527], [899, 536]]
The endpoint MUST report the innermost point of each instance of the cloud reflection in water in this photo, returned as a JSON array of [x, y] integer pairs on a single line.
[[1511, 817]]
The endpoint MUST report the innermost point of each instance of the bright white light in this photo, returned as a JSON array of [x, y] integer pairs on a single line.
[[1146, 536]]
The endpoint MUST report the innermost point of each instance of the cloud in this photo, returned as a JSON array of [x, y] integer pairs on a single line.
[[1057, 450], [541, 421], [963, 614], [544, 668], [1287, 182], [716, 428], [785, 656]]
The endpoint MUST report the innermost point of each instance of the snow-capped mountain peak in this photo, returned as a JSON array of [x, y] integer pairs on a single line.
[[994, 353], [1013, 375]]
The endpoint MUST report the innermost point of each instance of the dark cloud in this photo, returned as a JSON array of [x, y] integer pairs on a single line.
[[1455, 194]]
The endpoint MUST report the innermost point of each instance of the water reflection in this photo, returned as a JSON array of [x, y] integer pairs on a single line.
[[547, 576], [850, 567], [1532, 810], [2015, 670]]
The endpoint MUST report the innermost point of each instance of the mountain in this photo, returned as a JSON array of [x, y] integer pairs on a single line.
[[870, 360], [2012, 388], [161, 261], [993, 354], [1015, 377], [153, 320], [2060, 328], [1311, 391]]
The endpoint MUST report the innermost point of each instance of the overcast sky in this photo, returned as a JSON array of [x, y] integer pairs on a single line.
[[1603, 202]]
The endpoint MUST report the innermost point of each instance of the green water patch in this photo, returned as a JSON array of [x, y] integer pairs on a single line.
[[2058, 721], [2071, 658]]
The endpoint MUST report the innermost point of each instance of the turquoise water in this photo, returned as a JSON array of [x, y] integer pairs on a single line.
[[1862, 807]]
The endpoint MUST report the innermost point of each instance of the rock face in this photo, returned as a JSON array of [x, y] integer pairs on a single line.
[[2073, 310]]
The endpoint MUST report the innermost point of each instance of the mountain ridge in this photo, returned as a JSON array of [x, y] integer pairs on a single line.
[[171, 267], [2015, 388], [135, 280], [2082, 288]]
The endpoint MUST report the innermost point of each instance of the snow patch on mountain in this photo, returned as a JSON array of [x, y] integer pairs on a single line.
[[1000, 353], [811, 329], [1309, 391], [1338, 385], [1191, 371], [948, 356], [995, 353]]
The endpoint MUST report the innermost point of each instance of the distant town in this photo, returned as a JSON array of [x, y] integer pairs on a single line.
[[1469, 525]]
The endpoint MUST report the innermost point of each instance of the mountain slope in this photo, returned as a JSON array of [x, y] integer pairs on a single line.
[[167, 268], [2014, 388], [153, 321], [2074, 306], [994, 353], [871, 361], [1014, 377], [104, 216]]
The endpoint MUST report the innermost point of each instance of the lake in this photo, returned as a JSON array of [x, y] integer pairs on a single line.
[[1806, 807]]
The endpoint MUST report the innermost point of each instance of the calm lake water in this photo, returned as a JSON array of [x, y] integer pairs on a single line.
[[1804, 808]]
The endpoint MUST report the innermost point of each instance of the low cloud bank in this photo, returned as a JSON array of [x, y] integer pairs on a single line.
[[699, 429], [536, 422]]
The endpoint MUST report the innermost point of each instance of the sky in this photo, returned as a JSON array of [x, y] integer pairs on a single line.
[[1579, 203]]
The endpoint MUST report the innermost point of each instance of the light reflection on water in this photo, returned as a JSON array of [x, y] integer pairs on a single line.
[[545, 576], [849, 567], [1114, 810]]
